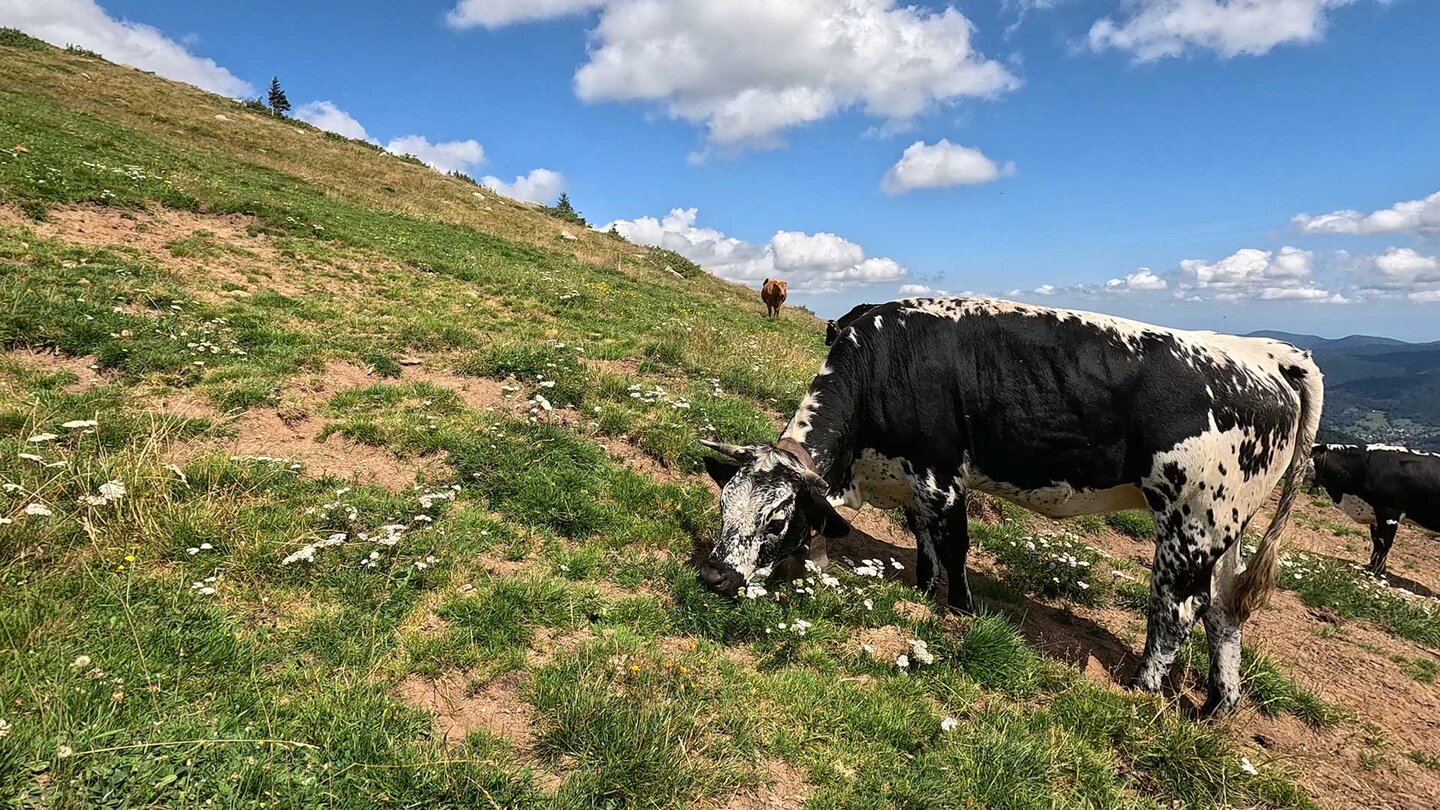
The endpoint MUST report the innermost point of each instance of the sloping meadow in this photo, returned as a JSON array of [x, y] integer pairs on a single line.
[[182, 624]]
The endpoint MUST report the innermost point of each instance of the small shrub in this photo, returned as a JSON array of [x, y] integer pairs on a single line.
[[459, 175], [15, 38], [79, 51]]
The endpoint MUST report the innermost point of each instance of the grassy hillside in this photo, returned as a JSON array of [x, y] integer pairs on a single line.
[[333, 481]]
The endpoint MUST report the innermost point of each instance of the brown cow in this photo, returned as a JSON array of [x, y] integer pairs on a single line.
[[772, 292]]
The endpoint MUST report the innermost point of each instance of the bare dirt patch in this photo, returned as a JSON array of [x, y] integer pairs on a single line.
[[87, 375], [784, 788], [883, 644], [456, 711]]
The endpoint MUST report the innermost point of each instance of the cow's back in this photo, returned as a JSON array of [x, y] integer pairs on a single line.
[[1032, 396]]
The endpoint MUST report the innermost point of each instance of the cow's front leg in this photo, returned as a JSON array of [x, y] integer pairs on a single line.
[[1179, 594], [942, 546], [1382, 537]]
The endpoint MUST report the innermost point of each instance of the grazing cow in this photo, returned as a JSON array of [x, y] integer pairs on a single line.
[[835, 327], [1067, 413], [773, 292], [1380, 486]]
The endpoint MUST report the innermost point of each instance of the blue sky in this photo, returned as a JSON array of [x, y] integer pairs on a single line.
[[1038, 149]]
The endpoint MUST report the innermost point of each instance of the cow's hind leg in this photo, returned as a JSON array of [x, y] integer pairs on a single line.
[[1222, 634], [1382, 537], [1179, 594]]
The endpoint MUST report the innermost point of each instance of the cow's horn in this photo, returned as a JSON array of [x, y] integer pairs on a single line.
[[734, 451]]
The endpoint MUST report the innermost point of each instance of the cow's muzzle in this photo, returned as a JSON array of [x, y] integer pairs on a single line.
[[721, 581]]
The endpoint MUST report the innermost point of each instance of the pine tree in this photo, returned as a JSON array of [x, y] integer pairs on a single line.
[[564, 208], [279, 104]]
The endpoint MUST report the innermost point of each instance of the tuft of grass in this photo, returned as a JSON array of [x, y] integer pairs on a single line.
[[1273, 692], [1133, 523], [1353, 593]]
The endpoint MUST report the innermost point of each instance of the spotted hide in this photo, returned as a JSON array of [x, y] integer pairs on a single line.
[[1380, 486], [1066, 413]]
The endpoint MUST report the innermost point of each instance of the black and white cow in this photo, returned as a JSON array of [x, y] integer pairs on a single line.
[[1380, 486], [1064, 412], [840, 324]]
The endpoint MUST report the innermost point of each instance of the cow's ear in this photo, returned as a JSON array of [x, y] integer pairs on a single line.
[[830, 332], [721, 471]]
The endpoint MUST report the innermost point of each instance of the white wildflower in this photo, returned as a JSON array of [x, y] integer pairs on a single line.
[[38, 510], [64, 752], [40, 438], [902, 661], [949, 724], [1247, 767], [112, 490], [4, 727], [754, 591], [921, 651], [80, 662], [80, 423]]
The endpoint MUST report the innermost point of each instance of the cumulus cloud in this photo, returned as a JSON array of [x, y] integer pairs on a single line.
[[940, 165], [1405, 266], [1248, 267], [1251, 273], [749, 69], [1418, 216], [446, 156], [1154, 29], [498, 13], [540, 185], [1142, 280], [327, 116], [812, 263], [84, 23], [1425, 297], [919, 290]]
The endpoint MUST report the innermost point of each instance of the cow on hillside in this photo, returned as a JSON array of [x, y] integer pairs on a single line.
[[1064, 412], [773, 292], [1380, 486]]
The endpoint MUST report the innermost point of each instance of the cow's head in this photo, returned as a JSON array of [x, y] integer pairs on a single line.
[[770, 504]]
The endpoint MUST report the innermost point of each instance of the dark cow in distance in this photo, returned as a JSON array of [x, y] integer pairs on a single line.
[[1067, 413], [1380, 486], [773, 293], [840, 324]]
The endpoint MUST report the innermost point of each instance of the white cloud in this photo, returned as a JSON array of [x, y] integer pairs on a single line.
[[446, 156], [1154, 29], [749, 69], [939, 165], [1044, 289], [1420, 216], [1249, 267], [498, 13], [1251, 273], [1405, 266], [1142, 280], [327, 116], [919, 290], [1425, 297], [812, 263], [540, 185], [84, 23]]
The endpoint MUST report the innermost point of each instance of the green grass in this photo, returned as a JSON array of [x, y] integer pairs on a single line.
[[1354, 594], [233, 630]]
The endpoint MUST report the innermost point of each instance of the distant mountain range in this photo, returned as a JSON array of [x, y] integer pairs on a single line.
[[1377, 389]]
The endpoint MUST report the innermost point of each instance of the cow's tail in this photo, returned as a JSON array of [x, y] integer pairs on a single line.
[[1253, 585]]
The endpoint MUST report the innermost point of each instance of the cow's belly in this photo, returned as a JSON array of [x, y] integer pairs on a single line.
[[879, 481], [1358, 509], [1063, 500]]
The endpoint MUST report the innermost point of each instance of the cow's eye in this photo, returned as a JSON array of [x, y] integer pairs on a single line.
[[775, 526]]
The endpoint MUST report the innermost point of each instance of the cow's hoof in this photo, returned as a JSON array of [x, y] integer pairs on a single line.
[[1218, 705]]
